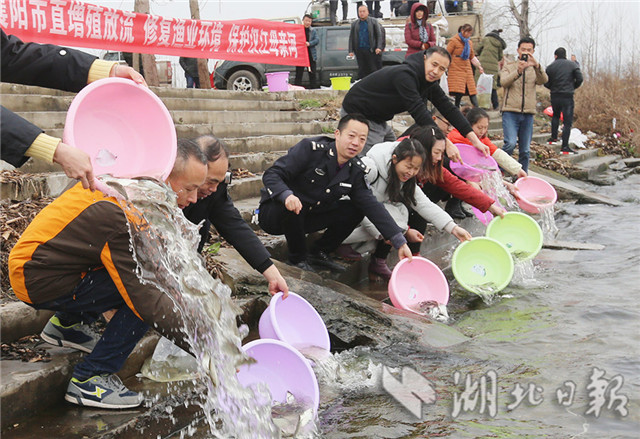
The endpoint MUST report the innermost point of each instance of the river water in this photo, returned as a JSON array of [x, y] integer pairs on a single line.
[[575, 328]]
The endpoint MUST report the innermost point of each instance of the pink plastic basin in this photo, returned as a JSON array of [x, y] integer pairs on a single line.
[[294, 321], [125, 128], [475, 163], [535, 194], [278, 81], [282, 369], [415, 282]]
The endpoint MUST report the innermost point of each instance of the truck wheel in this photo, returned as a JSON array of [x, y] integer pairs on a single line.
[[243, 80]]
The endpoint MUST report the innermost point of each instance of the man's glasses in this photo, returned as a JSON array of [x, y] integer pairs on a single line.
[[449, 126]]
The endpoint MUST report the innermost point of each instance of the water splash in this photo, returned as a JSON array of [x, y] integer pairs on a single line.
[[493, 186], [486, 291], [548, 222], [524, 275], [294, 419], [347, 371], [432, 309], [163, 244]]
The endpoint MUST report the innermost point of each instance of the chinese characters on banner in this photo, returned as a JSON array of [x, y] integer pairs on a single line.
[[71, 23]]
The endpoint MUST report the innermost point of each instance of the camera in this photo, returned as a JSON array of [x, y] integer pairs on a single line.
[[227, 177], [524, 57]]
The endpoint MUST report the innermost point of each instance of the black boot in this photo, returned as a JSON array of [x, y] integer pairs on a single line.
[[454, 208], [322, 259]]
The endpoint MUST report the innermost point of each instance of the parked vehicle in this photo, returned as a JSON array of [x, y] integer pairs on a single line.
[[333, 61]]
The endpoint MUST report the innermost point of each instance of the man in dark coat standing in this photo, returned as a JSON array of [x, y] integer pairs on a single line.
[[365, 42], [564, 77], [407, 87], [190, 67], [312, 41]]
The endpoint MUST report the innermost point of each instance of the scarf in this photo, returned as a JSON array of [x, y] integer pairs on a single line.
[[424, 35], [467, 47]]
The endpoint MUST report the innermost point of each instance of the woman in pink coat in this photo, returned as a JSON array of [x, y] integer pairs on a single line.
[[419, 34]]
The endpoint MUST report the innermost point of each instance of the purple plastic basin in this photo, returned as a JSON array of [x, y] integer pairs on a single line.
[[475, 163], [294, 321], [417, 281], [125, 128], [283, 369]]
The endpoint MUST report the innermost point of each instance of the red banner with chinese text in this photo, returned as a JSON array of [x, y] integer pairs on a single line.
[[72, 23]]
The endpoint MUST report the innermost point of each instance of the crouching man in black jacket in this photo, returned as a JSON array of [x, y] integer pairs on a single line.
[[321, 184], [216, 208]]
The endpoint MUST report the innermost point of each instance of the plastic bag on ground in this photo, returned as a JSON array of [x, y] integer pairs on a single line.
[[169, 363], [577, 139]]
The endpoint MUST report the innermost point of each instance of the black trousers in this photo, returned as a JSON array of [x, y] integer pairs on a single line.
[[339, 222], [494, 99], [562, 105], [333, 11], [458, 97], [373, 6], [312, 74], [367, 62]]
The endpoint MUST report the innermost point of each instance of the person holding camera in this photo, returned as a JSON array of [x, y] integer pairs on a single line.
[[215, 207], [519, 79]]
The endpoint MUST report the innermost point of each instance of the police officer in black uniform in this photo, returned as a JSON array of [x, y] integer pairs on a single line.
[[321, 183], [215, 207]]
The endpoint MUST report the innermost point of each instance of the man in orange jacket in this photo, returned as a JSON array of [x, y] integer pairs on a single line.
[[75, 258]]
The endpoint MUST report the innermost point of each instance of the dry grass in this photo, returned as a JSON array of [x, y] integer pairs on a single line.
[[604, 97]]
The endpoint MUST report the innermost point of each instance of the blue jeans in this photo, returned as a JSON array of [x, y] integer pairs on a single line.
[[95, 294], [518, 127], [191, 81]]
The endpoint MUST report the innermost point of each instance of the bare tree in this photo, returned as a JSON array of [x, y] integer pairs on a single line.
[[589, 42], [203, 71], [519, 19], [520, 13], [148, 60]]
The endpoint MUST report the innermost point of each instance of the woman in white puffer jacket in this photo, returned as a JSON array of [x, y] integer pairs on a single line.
[[394, 167]]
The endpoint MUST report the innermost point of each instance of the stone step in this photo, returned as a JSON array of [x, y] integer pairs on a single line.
[[239, 131], [37, 185], [567, 190], [56, 119], [248, 187], [32, 102], [256, 162], [246, 117], [9, 88], [537, 137], [241, 149], [591, 167], [249, 144], [18, 319], [224, 130]]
